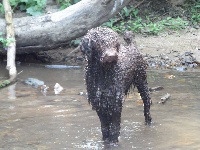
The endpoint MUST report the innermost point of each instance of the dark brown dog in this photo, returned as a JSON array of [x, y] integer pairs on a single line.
[[111, 71]]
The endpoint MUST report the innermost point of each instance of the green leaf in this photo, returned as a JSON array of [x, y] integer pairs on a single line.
[[22, 7], [135, 12], [14, 3], [197, 6], [25, 1], [76, 1], [1, 8], [33, 11], [4, 83], [41, 3]]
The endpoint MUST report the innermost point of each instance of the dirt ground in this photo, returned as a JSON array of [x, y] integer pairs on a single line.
[[171, 44], [169, 48]]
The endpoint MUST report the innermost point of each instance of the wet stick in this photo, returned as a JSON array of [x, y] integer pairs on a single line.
[[164, 98]]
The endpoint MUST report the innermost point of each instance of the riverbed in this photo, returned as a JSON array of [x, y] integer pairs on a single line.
[[31, 119]]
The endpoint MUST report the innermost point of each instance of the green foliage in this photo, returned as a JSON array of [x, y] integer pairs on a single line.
[[75, 42], [153, 28], [110, 23], [174, 23], [128, 19], [120, 24], [119, 27], [66, 3], [128, 12], [1, 8], [195, 10], [4, 83], [136, 25], [32, 7], [5, 42], [36, 7]]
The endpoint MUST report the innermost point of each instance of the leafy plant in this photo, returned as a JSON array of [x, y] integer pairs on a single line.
[[75, 42], [153, 28], [128, 12], [66, 3], [35, 7], [4, 83], [32, 7], [110, 23], [125, 12], [5, 42], [1, 8], [136, 25], [196, 13], [174, 23]]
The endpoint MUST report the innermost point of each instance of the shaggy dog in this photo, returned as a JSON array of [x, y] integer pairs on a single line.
[[112, 69]]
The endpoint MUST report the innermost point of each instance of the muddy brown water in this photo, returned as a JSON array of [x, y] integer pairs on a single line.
[[32, 120]]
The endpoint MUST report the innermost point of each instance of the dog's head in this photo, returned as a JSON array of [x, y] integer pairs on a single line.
[[110, 54], [100, 44]]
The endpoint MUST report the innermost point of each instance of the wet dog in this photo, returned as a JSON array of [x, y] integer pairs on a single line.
[[112, 69]]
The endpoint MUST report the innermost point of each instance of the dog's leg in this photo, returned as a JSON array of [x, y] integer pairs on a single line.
[[144, 93], [105, 124], [115, 127]]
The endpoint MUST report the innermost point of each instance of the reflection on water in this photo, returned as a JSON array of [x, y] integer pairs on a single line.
[[31, 120]]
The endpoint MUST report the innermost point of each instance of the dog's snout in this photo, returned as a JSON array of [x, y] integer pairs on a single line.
[[109, 56]]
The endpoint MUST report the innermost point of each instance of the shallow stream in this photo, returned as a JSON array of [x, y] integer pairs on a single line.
[[34, 120]]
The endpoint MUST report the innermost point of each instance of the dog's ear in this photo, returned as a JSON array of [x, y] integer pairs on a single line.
[[86, 47]]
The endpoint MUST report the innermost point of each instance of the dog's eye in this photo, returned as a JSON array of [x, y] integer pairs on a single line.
[[88, 52]]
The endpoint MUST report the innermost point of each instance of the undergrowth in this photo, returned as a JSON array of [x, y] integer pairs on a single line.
[[31, 7], [66, 3], [4, 83], [35, 7], [5, 42], [129, 19], [195, 12]]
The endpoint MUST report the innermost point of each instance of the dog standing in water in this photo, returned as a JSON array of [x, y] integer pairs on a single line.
[[112, 69]]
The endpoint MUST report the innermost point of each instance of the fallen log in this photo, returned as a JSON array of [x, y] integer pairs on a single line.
[[50, 31]]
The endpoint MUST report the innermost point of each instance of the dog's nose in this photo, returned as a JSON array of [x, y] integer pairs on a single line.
[[110, 56]]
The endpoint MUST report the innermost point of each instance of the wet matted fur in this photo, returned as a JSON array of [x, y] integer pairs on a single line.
[[112, 69]]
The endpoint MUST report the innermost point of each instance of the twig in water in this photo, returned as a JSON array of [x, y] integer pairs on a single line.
[[164, 98]]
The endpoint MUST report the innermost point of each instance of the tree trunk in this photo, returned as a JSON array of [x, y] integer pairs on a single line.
[[52, 30], [11, 49]]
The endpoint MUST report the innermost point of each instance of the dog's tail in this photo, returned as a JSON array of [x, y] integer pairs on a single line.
[[129, 37]]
